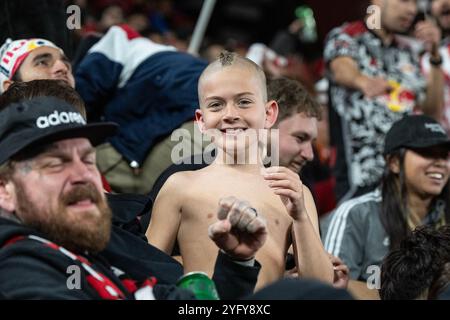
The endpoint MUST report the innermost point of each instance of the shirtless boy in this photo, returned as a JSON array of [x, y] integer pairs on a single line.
[[233, 102]]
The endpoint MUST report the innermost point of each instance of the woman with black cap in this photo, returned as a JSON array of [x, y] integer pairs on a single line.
[[414, 191]]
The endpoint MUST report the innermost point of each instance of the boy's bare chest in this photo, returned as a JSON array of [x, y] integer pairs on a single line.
[[202, 200]]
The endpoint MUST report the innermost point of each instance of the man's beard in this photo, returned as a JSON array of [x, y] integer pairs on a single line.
[[74, 231]]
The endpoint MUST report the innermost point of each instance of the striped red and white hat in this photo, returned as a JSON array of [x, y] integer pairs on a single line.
[[13, 53]]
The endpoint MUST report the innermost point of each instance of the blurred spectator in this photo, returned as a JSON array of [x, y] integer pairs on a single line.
[[32, 59], [139, 22], [440, 10], [111, 15], [375, 79]]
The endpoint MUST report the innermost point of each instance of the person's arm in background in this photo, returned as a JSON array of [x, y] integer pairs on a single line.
[[429, 33], [345, 72], [341, 55]]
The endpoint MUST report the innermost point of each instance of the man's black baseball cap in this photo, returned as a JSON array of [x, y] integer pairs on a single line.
[[415, 131], [44, 120]]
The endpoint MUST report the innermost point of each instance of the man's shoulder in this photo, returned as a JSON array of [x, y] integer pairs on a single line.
[[23, 254], [18, 239], [30, 269], [354, 28], [351, 29]]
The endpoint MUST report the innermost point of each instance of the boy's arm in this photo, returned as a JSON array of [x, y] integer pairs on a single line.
[[311, 209], [166, 216], [311, 258]]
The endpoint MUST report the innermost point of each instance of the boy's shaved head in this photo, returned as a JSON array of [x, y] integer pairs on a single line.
[[228, 59]]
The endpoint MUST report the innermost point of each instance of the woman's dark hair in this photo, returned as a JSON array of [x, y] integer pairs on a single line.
[[394, 209]]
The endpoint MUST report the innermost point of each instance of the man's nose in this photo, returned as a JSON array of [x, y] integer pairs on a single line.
[[60, 67], [80, 172], [308, 152]]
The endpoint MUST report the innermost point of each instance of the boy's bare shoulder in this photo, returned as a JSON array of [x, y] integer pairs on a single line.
[[180, 179]]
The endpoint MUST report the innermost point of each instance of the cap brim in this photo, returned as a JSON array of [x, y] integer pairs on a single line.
[[421, 144], [430, 143], [97, 133]]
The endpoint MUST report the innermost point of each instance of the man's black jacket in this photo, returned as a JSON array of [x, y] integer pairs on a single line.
[[31, 270]]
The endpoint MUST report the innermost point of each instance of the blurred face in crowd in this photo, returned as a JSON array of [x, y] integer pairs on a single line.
[[111, 16], [296, 135], [426, 170], [232, 101], [397, 16], [46, 63], [440, 9], [59, 193]]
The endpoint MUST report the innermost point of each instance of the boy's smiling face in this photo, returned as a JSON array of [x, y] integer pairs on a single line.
[[232, 101]]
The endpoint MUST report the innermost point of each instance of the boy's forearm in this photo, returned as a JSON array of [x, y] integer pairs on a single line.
[[311, 258]]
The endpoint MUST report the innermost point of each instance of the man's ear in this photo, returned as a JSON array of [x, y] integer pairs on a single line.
[[199, 120], [271, 114], [6, 84], [394, 164], [7, 196]]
